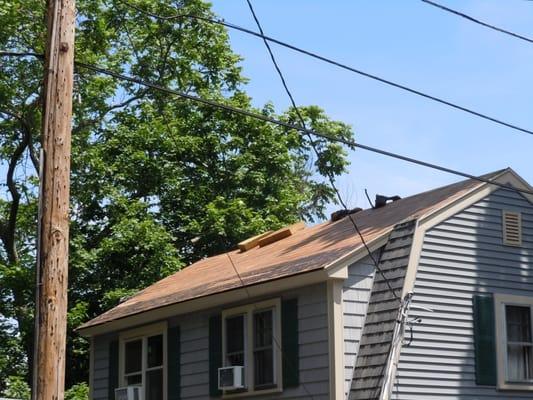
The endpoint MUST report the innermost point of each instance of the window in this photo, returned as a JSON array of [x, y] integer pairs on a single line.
[[142, 360], [252, 338], [263, 349], [519, 346], [235, 330], [514, 341]]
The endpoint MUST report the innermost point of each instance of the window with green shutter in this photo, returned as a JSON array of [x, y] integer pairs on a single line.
[[143, 361], [251, 338], [261, 337], [513, 317]]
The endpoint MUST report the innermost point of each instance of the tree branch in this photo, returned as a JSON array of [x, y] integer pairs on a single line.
[[8, 228], [27, 129], [90, 122], [9, 237]]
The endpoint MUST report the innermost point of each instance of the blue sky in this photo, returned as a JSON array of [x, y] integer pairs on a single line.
[[415, 44]]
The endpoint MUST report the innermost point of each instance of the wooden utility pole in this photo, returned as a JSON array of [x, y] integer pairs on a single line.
[[54, 224]]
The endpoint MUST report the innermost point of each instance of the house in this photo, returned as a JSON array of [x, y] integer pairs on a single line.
[[446, 315]]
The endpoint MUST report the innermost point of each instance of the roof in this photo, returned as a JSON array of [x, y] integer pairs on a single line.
[[307, 250], [382, 314]]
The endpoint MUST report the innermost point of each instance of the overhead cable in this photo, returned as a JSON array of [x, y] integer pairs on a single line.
[[266, 118], [335, 63], [329, 174], [477, 21]]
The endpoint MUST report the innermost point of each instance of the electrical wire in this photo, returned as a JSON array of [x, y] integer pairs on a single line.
[[368, 198], [330, 176], [477, 21], [278, 122], [335, 63], [266, 118]]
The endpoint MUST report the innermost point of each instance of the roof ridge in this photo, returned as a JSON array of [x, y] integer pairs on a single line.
[[488, 176]]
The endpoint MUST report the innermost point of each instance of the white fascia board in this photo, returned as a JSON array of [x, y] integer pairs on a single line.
[[510, 177], [335, 339], [429, 221]]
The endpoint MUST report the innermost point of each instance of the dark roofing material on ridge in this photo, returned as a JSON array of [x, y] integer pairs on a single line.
[[381, 315]]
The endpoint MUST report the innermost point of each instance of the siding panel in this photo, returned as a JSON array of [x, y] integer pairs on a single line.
[[462, 256], [313, 342], [355, 295], [100, 364]]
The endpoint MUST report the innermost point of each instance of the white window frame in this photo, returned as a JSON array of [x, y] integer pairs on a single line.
[[143, 333], [248, 311], [500, 301]]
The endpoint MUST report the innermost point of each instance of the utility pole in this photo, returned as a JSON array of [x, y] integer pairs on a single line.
[[53, 238]]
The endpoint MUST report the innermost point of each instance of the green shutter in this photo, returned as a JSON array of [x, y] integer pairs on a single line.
[[290, 345], [173, 359], [113, 369], [215, 354], [485, 340]]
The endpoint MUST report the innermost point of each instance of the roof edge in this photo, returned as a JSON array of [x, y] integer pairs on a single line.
[[206, 302]]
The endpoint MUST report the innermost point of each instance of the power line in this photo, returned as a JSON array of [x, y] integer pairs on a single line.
[[278, 122], [335, 63], [315, 149], [265, 118], [477, 21]]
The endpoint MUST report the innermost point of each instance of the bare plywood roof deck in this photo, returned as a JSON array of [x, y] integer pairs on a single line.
[[303, 251]]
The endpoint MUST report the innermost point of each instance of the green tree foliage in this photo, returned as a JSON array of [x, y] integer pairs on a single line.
[[157, 181], [16, 388], [12, 362], [79, 391]]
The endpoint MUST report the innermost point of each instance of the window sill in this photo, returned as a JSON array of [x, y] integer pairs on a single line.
[[518, 386], [251, 393]]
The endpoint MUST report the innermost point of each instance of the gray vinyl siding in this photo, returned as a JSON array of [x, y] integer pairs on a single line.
[[194, 357], [461, 257], [313, 342], [100, 362], [355, 295]]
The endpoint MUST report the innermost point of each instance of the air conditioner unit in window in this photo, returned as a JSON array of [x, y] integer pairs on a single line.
[[129, 393], [231, 378]]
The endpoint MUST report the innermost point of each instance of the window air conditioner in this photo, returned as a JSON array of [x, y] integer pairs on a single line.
[[129, 393], [231, 378]]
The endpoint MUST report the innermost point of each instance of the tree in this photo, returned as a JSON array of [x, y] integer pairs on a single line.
[[12, 362], [157, 182], [16, 388]]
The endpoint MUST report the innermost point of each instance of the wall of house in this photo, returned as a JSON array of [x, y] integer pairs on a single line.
[[355, 295], [194, 360], [461, 257], [100, 365], [313, 342]]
